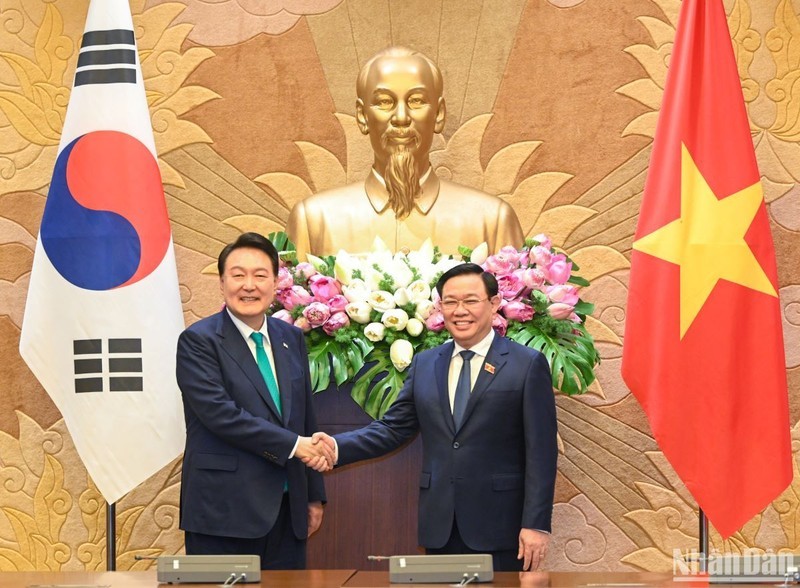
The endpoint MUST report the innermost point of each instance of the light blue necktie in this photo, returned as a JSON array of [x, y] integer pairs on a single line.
[[462, 388], [266, 369]]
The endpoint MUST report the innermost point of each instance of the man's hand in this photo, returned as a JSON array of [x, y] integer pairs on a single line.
[[320, 437], [532, 548], [315, 512], [316, 455]]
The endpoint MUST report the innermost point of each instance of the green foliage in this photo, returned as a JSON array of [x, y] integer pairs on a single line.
[[570, 353], [377, 388], [340, 358]]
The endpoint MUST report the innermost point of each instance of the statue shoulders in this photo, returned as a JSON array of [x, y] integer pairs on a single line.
[[452, 194], [349, 195]]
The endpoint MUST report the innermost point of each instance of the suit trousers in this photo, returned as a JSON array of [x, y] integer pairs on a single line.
[[279, 549], [502, 561]]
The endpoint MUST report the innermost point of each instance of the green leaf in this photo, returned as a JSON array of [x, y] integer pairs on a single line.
[[578, 281], [342, 358], [376, 389], [571, 355]]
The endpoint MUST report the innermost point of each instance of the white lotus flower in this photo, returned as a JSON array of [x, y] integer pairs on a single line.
[[395, 319], [318, 263], [419, 290], [402, 297], [356, 291], [359, 311], [373, 278], [480, 253], [343, 267], [414, 327], [424, 309], [381, 300], [423, 256], [374, 332], [378, 245], [401, 353], [400, 272]]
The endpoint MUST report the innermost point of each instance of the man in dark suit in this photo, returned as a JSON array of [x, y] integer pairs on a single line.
[[247, 402], [488, 433]]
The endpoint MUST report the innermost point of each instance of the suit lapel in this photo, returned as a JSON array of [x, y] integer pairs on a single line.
[[237, 348], [441, 369], [282, 354], [496, 358]]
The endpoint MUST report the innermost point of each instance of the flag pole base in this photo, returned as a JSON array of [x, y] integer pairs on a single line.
[[703, 541], [111, 536]]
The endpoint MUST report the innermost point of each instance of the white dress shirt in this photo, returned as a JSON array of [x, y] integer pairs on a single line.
[[481, 349]]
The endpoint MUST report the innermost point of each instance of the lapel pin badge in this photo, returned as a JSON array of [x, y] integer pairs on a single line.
[[285, 345], [489, 368]]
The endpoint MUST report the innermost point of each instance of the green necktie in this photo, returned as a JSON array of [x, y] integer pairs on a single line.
[[266, 369]]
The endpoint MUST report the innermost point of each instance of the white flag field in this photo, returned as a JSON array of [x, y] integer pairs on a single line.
[[103, 312]]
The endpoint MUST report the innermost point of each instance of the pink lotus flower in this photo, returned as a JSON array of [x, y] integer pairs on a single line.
[[435, 321], [510, 286], [543, 240], [284, 315], [500, 264], [559, 270], [337, 321], [285, 279], [499, 324], [302, 323], [305, 269], [323, 287], [541, 256], [565, 293], [337, 303], [317, 314], [294, 296], [516, 310], [533, 277], [559, 310], [511, 254]]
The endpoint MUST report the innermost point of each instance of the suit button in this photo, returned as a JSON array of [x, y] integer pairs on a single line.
[[456, 445]]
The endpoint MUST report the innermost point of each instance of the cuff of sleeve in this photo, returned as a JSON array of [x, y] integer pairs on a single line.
[[296, 443]]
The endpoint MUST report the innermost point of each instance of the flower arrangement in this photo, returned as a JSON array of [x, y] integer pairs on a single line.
[[366, 316]]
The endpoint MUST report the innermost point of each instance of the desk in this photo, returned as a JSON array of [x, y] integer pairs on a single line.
[[351, 579], [278, 579], [544, 579]]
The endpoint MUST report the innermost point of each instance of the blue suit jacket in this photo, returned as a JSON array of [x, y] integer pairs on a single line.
[[237, 445], [496, 473]]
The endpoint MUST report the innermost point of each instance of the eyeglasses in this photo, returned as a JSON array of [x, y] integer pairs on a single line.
[[452, 304]]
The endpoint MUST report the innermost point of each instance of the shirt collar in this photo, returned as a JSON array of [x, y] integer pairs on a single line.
[[246, 331], [378, 197], [480, 348]]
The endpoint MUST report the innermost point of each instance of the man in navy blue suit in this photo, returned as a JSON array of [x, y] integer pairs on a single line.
[[485, 408], [247, 402]]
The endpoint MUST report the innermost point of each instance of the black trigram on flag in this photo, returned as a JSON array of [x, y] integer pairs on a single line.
[[107, 57], [123, 360]]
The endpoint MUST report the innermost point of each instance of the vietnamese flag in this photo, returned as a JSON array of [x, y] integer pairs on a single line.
[[703, 349]]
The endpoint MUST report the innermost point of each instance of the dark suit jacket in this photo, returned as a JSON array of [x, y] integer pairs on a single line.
[[496, 474], [237, 446]]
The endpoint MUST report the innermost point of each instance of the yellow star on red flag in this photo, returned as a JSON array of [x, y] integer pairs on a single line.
[[707, 241]]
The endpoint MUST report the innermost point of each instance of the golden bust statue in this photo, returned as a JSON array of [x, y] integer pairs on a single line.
[[400, 106]]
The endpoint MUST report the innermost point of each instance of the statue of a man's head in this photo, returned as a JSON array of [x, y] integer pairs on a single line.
[[400, 106]]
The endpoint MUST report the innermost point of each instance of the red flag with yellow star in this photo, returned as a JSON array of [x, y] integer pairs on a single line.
[[703, 350]]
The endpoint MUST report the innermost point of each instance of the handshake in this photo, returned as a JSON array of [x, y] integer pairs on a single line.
[[318, 451]]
